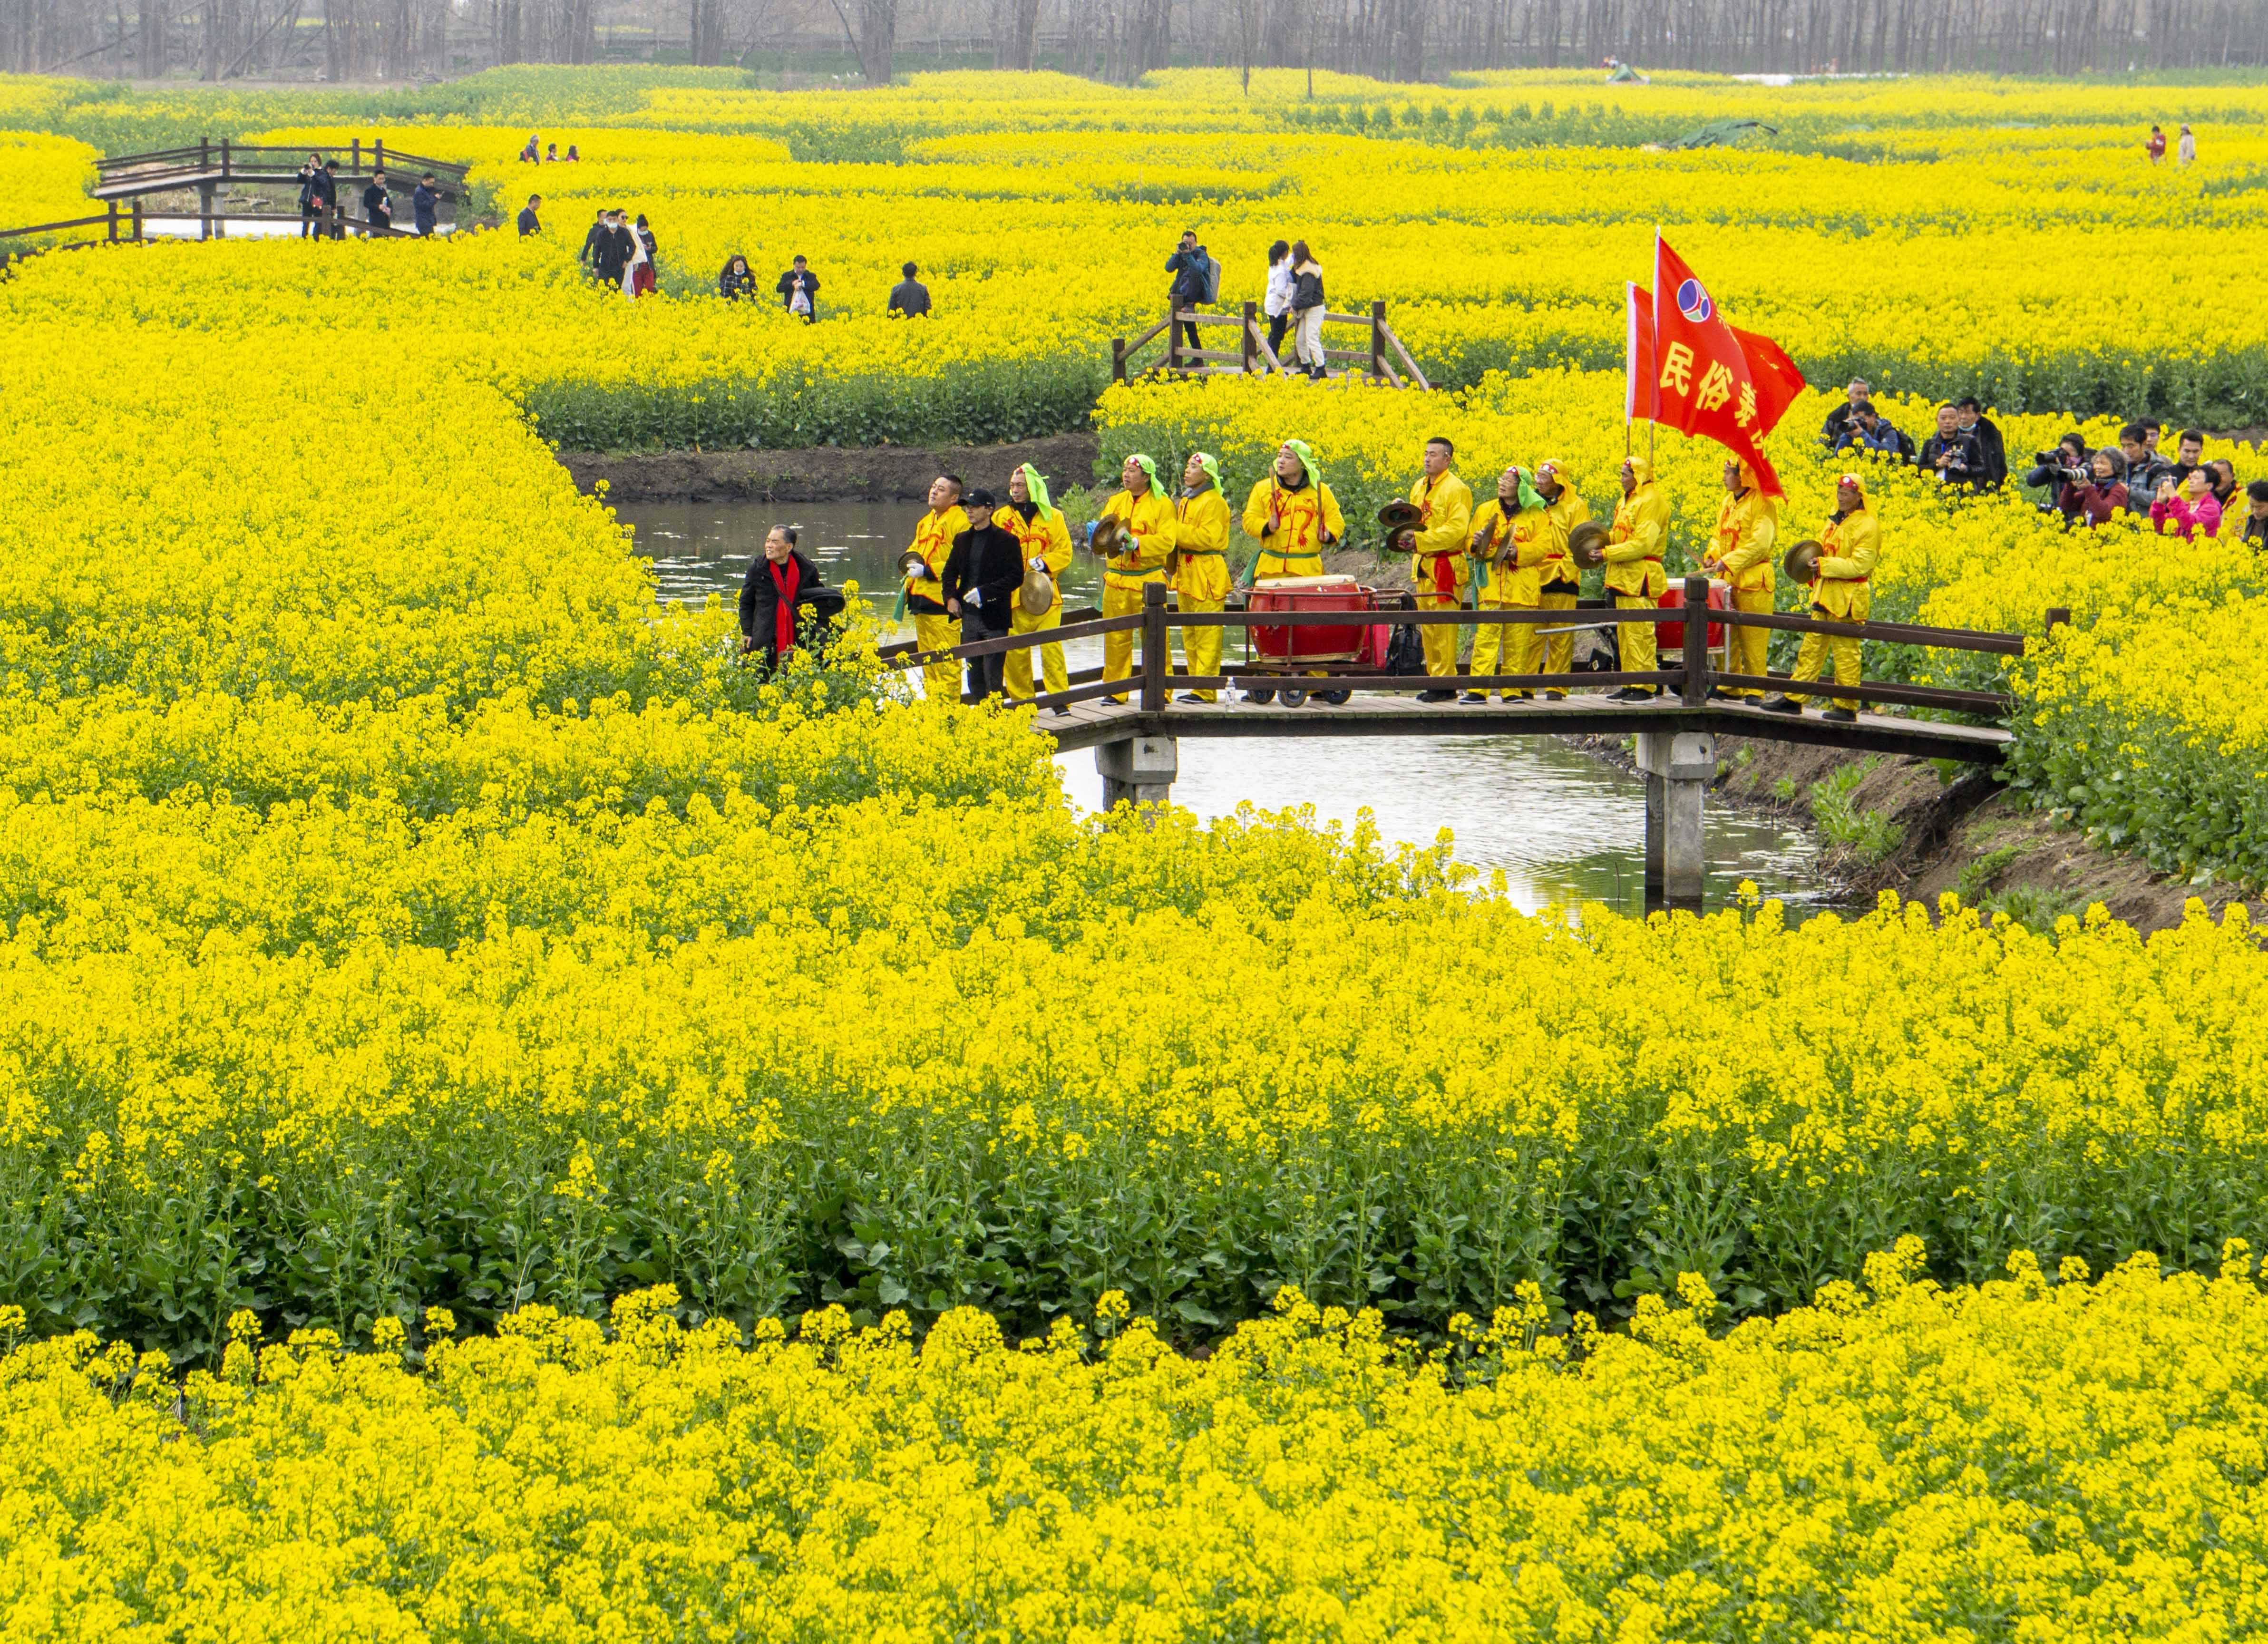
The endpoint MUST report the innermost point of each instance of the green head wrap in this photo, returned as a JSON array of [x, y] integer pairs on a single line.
[[1038, 488], [1211, 465], [1529, 497], [1299, 449], [1148, 467]]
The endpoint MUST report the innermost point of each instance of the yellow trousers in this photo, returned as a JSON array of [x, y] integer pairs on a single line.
[[1634, 641], [940, 680], [1751, 646], [1559, 649], [1440, 642], [1118, 648], [1505, 643], [1017, 676], [1201, 646], [1816, 648]]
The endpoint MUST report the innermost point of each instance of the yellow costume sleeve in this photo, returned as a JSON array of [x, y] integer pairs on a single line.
[[1452, 521]]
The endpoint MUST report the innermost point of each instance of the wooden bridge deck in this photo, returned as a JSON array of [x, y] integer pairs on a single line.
[[1091, 724]]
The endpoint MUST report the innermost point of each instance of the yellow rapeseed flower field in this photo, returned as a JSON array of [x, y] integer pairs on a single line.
[[416, 945]]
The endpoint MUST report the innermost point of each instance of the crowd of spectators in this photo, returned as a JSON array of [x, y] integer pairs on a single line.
[[2186, 495]]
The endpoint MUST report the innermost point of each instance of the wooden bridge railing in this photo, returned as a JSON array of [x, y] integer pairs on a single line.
[[120, 175], [1252, 353], [1691, 679]]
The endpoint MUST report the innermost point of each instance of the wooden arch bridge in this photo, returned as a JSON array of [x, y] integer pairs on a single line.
[[1134, 725]]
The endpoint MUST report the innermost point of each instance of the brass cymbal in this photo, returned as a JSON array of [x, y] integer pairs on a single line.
[[1803, 562], [1111, 538], [1586, 545], [1038, 593], [912, 567]]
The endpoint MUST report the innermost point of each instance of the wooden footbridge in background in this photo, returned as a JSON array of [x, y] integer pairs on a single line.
[[1136, 741], [124, 181]]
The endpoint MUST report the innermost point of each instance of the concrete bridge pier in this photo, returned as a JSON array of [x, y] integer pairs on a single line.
[[1678, 766], [1138, 770]]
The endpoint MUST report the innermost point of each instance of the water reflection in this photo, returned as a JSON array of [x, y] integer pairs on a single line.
[[1561, 826]]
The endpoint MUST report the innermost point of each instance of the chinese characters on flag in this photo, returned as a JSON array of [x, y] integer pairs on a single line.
[[1691, 370]]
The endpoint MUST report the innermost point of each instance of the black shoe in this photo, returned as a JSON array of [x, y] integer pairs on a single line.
[[1629, 693], [1190, 696], [1474, 695], [1782, 704], [1555, 695], [1717, 693], [1840, 716], [1437, 695], [1060, 713]]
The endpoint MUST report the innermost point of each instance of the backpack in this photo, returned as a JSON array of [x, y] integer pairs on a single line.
[[1211, 281], [1405, 652]]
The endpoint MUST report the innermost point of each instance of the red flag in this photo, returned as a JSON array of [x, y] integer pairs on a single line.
[[1709, 379], [1637, 317]]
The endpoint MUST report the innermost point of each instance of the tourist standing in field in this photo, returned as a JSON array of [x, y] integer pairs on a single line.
[[1275, 301], [529, 223], [1292, 515], [2094, 498], [1955, 457], [909, 297], [377, 206], [2185, 153], [1201, 564], [2188, 502], [327, 200], [1038, 524], [1440, 569], [645, 248], [924, 590], [1856, 398], [799, 289], [1992, 449], [425, 204], [1849, 546], [1562, 582], [1512, 538], [1147, 514], [1636, 543], [779, 580], [2142, 467], [594, 243], [1307, 309], [1748, 525], [2156, 146], [736, 283], [983, 572], [2254, 531], [612, 254]]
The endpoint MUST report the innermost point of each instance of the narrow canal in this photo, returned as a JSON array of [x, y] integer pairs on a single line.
[[1562, 827]]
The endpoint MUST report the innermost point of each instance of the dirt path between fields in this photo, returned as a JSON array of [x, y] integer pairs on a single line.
[[826, 472]]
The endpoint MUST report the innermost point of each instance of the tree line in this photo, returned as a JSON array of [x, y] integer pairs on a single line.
[[1118, 40]]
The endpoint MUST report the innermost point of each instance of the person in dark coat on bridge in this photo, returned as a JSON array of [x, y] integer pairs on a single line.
[[425, 202], [982, 574], [377, 205], [311, 210]]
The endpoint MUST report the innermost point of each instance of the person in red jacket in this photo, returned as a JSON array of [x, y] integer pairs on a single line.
[[2097, 497]]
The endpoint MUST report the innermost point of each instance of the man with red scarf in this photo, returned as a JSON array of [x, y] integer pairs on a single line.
[[779, 580], [1439, 569]]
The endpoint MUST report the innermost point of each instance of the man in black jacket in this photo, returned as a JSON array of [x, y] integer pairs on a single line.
[[425, 204], [311, 199], [1191, 269], [982, 574], [612, 254], [1956, 457], [377, 204], [327, 200], [1972, 421], [593, 242], [780, 578], [529, 223]]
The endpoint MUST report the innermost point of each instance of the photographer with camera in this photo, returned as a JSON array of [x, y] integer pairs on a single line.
[[1956, 457], [2095, 493], [1868, 430], [2052, 470], [2145, 468]]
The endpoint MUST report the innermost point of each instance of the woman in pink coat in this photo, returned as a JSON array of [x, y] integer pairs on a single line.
[[2192, 509]]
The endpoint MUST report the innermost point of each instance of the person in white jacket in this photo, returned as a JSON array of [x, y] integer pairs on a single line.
[[1277, 304]]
